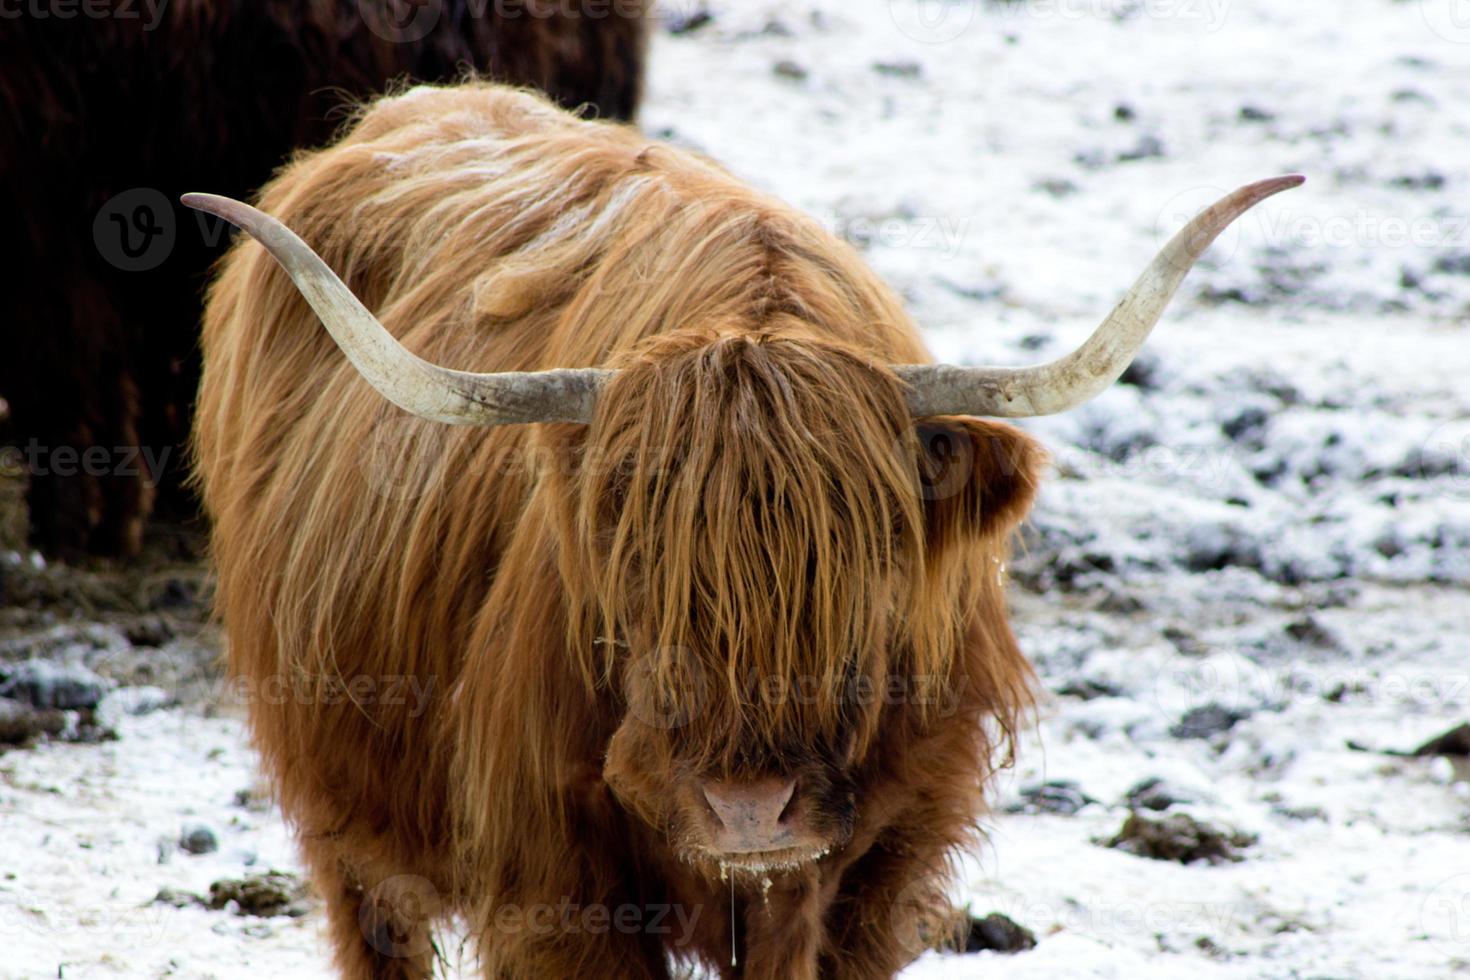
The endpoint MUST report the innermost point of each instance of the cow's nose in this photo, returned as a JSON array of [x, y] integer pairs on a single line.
[[751, 815]]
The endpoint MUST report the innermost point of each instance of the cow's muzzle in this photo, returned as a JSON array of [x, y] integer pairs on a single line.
[[748, 820]]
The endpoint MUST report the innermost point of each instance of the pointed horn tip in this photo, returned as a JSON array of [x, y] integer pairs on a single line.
[[1275, 185], [221, 207]]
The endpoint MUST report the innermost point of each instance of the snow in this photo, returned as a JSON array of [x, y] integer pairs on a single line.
[[1275, 520]]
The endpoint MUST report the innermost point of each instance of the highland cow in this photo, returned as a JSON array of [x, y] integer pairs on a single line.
[[108, 113], [718, 651]]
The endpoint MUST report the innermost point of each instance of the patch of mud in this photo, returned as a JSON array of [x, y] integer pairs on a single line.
[[273, 893], [1179, 837]]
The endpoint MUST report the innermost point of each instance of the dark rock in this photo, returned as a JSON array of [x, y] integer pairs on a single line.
[[171, 594], [1456, 741], [256, 799], [1427, 181], [1247, 425], [1153, 794], [1207, 720], [44, 684], [177, 897], [1457, 263], [1255, 114], [1309, 631], [149, 631], [134, 702], [1301, 813], [1211, 547], [980, 291], [1179, 837], [1184, 641], [679, 22], [198, 839], [1062, 797], [1143, 373], [998, 933], [899, 69], [19, 722], [268, 894], [1123, 112], [1120, 603], [1089, 689], [789, 69], [1148, 147], [1057, 186]]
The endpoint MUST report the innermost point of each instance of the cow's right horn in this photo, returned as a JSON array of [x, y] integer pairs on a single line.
[[1045, 389], [405, 379]]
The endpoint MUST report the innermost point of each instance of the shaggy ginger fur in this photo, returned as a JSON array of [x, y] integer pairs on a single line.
[[752, 561]]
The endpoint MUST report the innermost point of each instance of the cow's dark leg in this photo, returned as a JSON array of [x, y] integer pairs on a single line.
[[380, 926]]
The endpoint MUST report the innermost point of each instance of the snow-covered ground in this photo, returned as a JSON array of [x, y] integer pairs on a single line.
[[1269, 525]]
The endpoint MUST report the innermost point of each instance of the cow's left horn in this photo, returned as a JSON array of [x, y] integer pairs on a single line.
[[408, 381], [1045, 389]]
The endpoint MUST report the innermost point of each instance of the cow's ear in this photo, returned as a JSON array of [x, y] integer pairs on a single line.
[[977, 477]]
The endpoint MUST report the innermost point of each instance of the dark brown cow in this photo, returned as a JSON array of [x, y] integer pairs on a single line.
[[104, 120]]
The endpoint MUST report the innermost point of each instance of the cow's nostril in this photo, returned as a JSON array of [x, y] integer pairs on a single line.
[[789, 808]]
